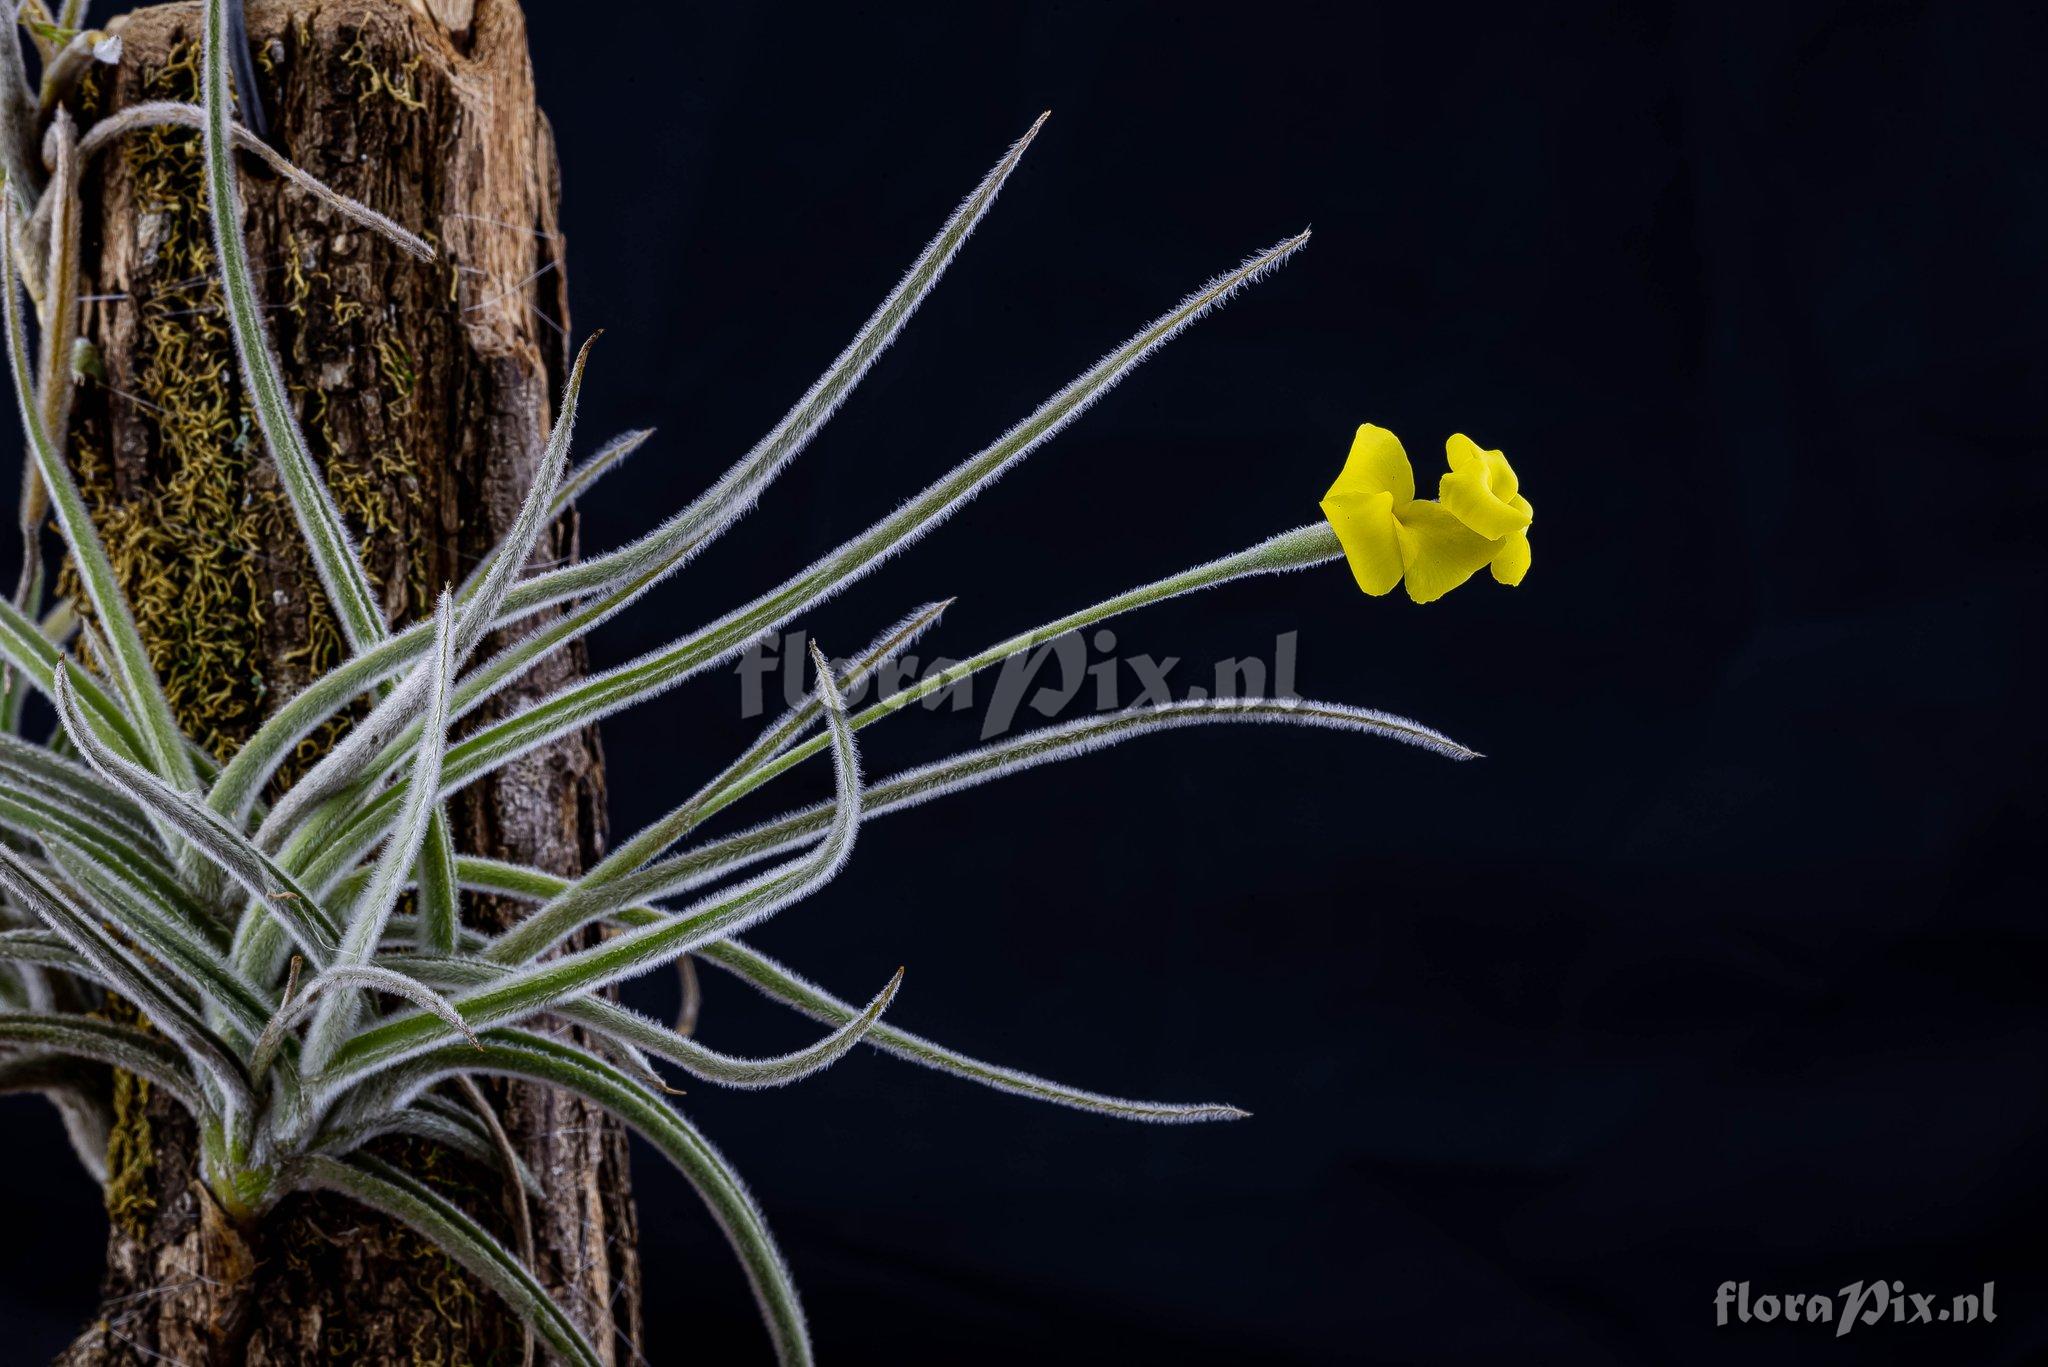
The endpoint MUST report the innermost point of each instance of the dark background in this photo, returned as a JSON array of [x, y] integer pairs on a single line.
[[1724, 965]]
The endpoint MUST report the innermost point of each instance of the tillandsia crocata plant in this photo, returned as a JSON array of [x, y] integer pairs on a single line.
[[294, 1001]]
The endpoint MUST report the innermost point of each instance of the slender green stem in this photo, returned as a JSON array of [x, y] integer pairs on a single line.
[[1305, 546]]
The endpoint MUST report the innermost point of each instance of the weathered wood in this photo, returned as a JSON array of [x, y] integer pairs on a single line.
[[426, 392]]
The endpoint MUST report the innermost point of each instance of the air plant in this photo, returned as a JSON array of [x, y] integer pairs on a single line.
[[290, 1005]]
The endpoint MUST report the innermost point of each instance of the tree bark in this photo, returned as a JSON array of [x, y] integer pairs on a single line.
[[426, 391]]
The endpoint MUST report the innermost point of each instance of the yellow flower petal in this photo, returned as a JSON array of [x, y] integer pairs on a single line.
[[1511, 562], [1463, 451], [1364, 524], [1389, 536], [1377, 464], [1438, 551], [1482, 491]]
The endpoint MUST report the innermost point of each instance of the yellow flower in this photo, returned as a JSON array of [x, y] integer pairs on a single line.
[[1390, 536]]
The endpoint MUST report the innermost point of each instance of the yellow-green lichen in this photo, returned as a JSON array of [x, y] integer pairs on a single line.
[[131, 1149], [186, 547], [87, 95], [372, 81], [198, 548]]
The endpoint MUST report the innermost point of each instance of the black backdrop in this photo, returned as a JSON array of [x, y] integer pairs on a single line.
[[1723, 965]]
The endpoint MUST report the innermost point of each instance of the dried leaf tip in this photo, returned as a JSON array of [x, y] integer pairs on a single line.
[[828, 690]]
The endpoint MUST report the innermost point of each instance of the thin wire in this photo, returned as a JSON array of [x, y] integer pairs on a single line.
[[519, 285], [515, 227]]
